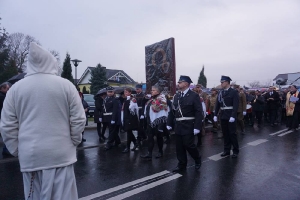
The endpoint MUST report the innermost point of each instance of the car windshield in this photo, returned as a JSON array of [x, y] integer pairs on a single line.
[[89, 97]]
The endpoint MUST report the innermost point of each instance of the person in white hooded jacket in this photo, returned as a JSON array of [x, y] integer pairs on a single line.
[[42, 122]]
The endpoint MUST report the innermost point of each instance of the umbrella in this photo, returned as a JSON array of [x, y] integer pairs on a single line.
[[119, 90], [101, 91], [16, 78]]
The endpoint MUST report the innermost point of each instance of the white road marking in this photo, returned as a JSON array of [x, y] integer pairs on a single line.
[[282, 134], [279, 132], [145, 187], [99, 194], [257, 142]]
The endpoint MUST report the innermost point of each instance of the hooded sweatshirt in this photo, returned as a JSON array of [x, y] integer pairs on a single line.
[[42, 117]]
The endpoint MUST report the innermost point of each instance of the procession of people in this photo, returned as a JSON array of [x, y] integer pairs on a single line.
[[152, 116]]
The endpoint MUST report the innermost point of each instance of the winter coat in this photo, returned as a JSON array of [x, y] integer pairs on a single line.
[[42, 117], [98, 107], [258, 104], [130, 118]]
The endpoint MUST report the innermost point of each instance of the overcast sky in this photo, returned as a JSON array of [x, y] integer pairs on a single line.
[[246, 40]]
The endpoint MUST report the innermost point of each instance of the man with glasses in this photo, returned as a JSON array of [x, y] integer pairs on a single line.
[[228, 102]]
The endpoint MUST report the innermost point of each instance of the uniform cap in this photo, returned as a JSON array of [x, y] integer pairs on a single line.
[[185, 79]]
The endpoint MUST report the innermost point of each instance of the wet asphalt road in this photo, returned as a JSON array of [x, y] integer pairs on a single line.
[[268, 167]]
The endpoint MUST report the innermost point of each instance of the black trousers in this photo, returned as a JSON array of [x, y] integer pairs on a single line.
[[272, 115], [113, 135], [159, 138], [258, 115], [104, 126], [141, 132], [230, 137], [292, 122], [185, 143], [130, 138]]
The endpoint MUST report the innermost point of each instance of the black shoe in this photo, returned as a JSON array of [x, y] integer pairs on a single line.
[[197, 166], [107, 147], [83, 140], [167, 141], [234, 155], [135, 147], [179, 169], [159, 155], [6, 154], [117, 144], [125, 150], [147, 156], [225, 154]]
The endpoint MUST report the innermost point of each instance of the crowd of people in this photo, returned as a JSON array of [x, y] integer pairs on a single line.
[[45, 137]]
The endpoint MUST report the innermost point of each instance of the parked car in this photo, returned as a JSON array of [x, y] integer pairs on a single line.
[[89, 98]]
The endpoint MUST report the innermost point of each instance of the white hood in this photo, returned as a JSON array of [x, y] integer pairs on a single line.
[[40, 61]]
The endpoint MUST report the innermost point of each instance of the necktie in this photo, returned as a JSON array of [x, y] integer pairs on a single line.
[[181, 94]]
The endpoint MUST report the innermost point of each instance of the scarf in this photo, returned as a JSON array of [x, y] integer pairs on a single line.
[[159, 110], [289, 105], [133, 109]]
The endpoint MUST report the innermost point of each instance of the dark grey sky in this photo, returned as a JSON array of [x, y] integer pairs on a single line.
[[246, 40]]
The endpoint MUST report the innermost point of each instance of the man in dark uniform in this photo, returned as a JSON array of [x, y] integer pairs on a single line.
[[272, 99], [228, 102], [141, 101], [98, 110], [111, 115], [187, 110]]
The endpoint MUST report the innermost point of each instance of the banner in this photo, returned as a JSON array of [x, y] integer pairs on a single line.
[[161, 66]]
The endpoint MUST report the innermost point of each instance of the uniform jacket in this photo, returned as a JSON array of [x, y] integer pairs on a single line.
[[42, 117], [111, 105], [130, 119], [211, 102], [98, 108], [242, 102], [227, 98], [190, 107], [272, 104]]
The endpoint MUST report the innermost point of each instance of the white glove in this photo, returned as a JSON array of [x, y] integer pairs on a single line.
[[196, 131], [100, 119], [231, 119], [169, 127], [206, 113], [112, 122], [142, 117], [244, 113], [148, 95], [160, 130], [128, 97], [215, 118]]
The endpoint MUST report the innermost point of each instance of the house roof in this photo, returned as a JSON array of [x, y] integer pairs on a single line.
[[111, 75], [284, 76]]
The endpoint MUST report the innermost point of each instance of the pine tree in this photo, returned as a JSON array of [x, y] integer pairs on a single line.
[[202, 78], [67, 69], [98, 79], [8, 67]]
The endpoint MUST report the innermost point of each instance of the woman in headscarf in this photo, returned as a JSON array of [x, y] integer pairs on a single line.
[[292, 108], [156, 113]]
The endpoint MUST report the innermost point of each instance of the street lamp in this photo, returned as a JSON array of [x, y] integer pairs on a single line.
[[76, 62]]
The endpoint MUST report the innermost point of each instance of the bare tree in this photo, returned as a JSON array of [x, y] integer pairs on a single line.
[[254, 84], [57, 56], [19, 48], [268, 83]]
